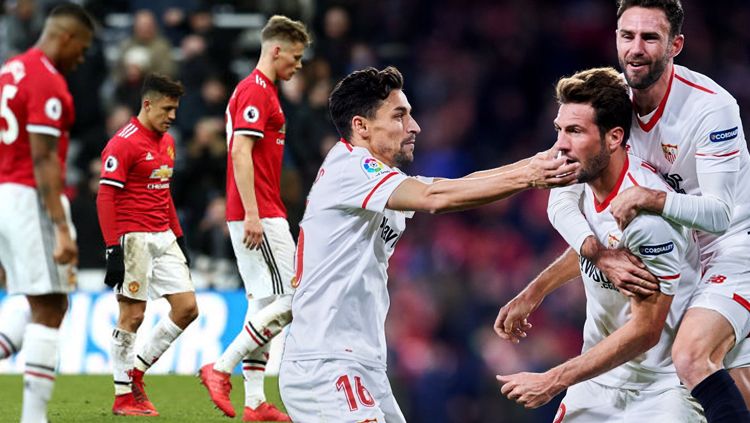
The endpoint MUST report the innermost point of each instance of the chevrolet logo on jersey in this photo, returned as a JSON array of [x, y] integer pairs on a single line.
[[162, 173]]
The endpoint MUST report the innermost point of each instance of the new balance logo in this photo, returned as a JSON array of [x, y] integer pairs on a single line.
[[260, 81]]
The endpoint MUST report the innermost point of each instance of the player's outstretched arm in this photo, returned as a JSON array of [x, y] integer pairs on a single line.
[[48, 176], [637, 336], [448, 195], [244, 177], [512, 320]]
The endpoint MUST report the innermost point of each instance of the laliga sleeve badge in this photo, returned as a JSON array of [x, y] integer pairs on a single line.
[[251, 114], [133, 287], [373, 167], [53, 108], [110, 164]]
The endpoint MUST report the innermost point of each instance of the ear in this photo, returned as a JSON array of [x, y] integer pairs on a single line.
[[677, 43], [276, 51], [614, 137], [146, 104], [359, 126]]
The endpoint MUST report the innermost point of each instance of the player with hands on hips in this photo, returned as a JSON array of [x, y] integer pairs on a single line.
[[146, 253]]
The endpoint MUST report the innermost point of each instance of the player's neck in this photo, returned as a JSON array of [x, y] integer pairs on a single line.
[[265, 66], [609, 179], [647, 100], [48, 48], [143, 120]]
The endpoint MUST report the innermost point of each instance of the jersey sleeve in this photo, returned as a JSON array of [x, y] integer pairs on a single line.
[[115, 163], [719, 140], [367, 183], [564, 212], [46, 103], [251, 112], [659, 246]]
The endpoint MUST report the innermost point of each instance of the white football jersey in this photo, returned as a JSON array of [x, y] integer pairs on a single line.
[[697, 128], [346, 238], [669, 252]]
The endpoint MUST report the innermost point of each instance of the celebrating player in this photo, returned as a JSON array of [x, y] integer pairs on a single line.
[[627, 340], [256, 218], [333, 367], [37, 238], [146, 255], [689, 128]]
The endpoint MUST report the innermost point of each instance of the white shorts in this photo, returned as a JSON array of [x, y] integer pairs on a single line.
[[337, 391], [27, 243], [725, 288], [269, 270], [154, 266], [590, 402]]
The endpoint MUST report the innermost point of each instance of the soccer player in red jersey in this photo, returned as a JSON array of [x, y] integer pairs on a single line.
[[146, 255], [256, 217], [37, 239]]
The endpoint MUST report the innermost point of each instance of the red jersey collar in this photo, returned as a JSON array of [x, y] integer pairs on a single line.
[[648, 126], [600, 207], [152, 135], [36, 51], [346, 144]]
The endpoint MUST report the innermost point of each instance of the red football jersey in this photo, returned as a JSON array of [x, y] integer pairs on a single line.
[[34, 98], [140, 162], [254, 110]]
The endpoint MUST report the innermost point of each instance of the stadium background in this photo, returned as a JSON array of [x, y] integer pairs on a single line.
[[479, 75]]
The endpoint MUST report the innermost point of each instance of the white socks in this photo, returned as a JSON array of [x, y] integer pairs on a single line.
[[41, 346], [253, 371], [164, 333], [258, 331], [16, 315], [122, 359]]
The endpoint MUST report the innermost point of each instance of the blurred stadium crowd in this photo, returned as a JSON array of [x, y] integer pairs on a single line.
[[479, 75]]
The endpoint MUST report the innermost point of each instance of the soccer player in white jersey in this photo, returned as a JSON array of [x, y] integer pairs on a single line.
[[690, 129], [37, 238], [334, 363], [625, 371]]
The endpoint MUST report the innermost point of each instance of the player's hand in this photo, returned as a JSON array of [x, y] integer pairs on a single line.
[[546, 171], [626, 205], [252, 232], [531, 390], [115, 267], [626, 272], [66, 250], [181, 243], [511, 323]]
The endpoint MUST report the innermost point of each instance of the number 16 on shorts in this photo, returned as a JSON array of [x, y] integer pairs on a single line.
[[355, 395]]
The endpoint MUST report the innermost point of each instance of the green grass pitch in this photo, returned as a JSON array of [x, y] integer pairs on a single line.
[[88, 398]]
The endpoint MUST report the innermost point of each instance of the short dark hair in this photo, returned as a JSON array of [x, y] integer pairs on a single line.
[[162, 85], [74, 11], [671, 8], [280, 27], [606, 91], [360, 94]]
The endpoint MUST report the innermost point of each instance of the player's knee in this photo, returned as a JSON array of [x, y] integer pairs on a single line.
[[130, 321], [186, 314], [691, 364]]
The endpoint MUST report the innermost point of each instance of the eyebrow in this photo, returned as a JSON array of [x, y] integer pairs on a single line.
[[401, 109]]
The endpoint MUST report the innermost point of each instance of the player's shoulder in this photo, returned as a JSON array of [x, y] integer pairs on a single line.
[[34, 70], [700, 91], [642, 173], [255, 83]]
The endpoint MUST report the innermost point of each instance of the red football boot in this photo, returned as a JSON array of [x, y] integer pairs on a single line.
[[219, 386], [126, 405], [139, 393], [265, 412]]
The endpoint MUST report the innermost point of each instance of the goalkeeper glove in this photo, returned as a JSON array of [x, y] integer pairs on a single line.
[[115, 267], [183, 247]]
